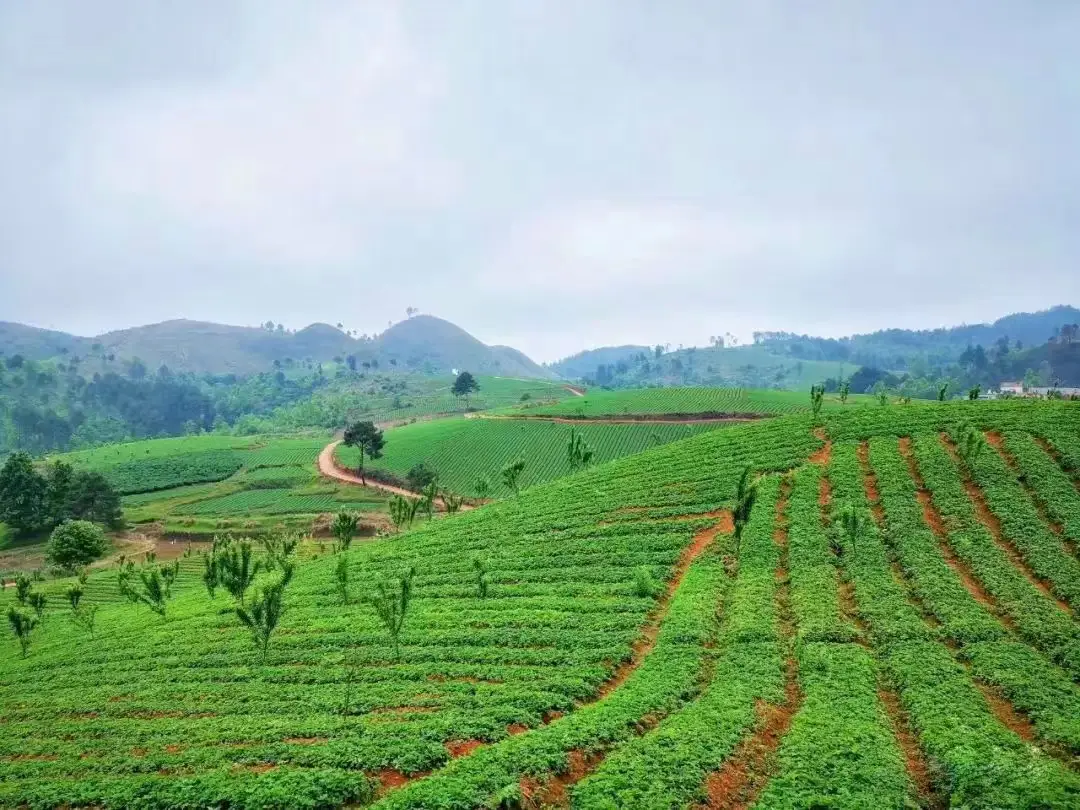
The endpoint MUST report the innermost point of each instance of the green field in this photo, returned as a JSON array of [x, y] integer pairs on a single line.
[[464, 450], [682, 401], [929, 658]]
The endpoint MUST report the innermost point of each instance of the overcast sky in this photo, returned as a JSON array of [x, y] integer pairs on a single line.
[[551, 175]]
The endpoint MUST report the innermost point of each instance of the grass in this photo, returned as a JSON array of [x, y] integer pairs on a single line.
[[542, 669]]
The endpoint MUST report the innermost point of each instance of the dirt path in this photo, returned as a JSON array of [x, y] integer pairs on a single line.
[[577, 392]]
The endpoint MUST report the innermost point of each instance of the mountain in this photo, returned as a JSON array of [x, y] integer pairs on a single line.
[[421, 343], [582, 364]]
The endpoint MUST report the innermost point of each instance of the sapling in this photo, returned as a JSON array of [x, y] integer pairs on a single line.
[[852, 523], [279, 548], [341, 577], [37, 600], [452, 502], [344, 528], [390, 600], [973, 392], [578, 454], [236, 568], [482, 487], [23, 587], [817, 398], [83, 615], [845, 390], [154, 592], [403, 511], [942, 391], [427, 499], [971, 445], [745, 497], [511, 475], [644, 584], [22, 625], [266, 608]]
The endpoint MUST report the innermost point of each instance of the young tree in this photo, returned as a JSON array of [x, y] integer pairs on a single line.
[[511, 475], [481, 577], [817, 399], [974, 391], [942, 391], [971, 444], [82, 615], [22, 495], [464, 385], [341, 577], [451, 502], [853, 523], [23, 588], [267, 608], [845, 390], [390, 601], [279, 549], [22, 625], [154, 591], [482, 487], [344, 528], [37, 602], [745, 497], [403, 511], [75, 543], [237, 568], [366, 438], [578, 454], [427, 499]]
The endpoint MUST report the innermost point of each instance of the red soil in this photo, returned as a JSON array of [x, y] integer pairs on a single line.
[[918, 769], [824, 454], [460, 748]]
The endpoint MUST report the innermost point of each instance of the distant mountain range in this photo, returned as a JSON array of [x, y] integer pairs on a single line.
[[422, 343]]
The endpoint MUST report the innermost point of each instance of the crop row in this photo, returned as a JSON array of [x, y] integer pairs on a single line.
[[1051, 485], [684, 401], [981, 763]]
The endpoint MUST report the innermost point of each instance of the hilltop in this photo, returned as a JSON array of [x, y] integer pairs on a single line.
[[420, 343]]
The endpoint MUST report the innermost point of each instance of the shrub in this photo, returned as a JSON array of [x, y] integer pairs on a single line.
[[75, 543], [644, 583], [420, 476], [22, 625]]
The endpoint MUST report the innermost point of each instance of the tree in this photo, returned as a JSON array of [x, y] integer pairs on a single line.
[[419, 476], [482, 487], [22, 625], [817, 399], [511, 475], [366, 438], [578, 454], [154, 591], [481, 576], [845, 390], [267, 608], [451, 502], [464, 385], [390, 600], [22, 495], [59, 482], [344, 528], [852, 523], [341, 577], [93, 498], [745, 497], [427, 499], [37, 601], [973, 392], [82, 615], [942, 391], [971, 445], [75, 543]]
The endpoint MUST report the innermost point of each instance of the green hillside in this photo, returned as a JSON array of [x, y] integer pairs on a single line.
[[622, 649]]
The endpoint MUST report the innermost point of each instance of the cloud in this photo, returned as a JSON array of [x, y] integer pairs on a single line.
[[548, 176]]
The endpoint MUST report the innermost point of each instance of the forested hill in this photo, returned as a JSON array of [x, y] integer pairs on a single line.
[[421, 343]]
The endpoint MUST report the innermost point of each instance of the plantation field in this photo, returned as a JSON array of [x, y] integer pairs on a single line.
[[462, 451], [686, 402], [895, 628]]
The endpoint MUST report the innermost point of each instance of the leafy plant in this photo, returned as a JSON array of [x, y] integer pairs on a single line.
[[452, 502], [75, 543], [37, 601], [482, 487], [883, 397], [971, 444], [266, 608], [973, 392], [852, 523], [511, 475], [237, 568], [746, 493], [279, 548], [942, 391], [817, 399], [83, 615], [390, 600], [427, 499], [644, 582], [344, 528], [578, 453], [366, 438], [403, 511], [341, 577], [845, 390], [151, 590], [22, 625], [23, 587]]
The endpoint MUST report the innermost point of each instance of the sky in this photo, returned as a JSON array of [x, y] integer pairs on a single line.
[[551, 175]]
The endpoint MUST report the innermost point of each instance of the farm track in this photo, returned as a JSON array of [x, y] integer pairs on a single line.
[[739, 782], [993, 525], [328, 466]]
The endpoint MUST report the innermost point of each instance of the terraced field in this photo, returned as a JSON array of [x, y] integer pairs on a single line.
[[672, 403], [623, 650], [465, 450]]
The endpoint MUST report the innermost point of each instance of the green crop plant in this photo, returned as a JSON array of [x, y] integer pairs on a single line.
[[852, 523], [267, 605], [746, 493], [511, 475], [645, 584], [23, 587], [403, 511], [971, 445], [279, 548], [22, 625], [390, 601], [344, 528]]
